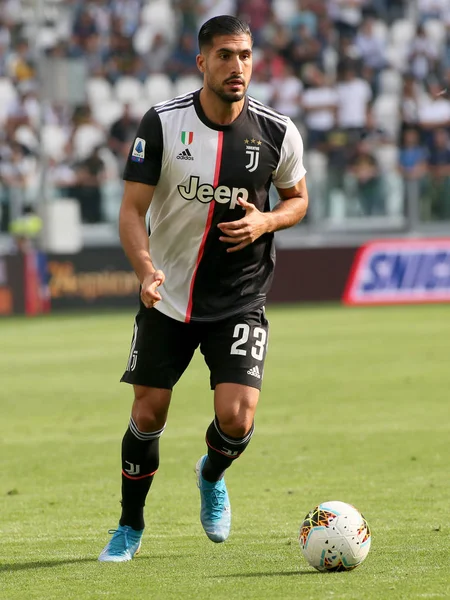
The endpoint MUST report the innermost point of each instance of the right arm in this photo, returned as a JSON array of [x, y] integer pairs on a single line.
[[134, 239], [141, 176]]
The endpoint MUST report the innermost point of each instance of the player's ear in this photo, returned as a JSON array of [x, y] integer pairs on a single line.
[[200, 60]]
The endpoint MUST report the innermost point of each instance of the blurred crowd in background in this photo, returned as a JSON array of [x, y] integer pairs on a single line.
[[367, 82]]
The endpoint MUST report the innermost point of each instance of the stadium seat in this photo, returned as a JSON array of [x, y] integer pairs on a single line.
[[139, 108], [284, 10], [143, 39], [128, 89], [8, 95], [187, 83], [47, 38], [158, 11], [390, 82], [397, 56], [159, 15], [387, 157], [380, 29], [98, 90], [386, 113], [105, 113], [402, 32], [159, 87], [330, 59], [86, 138], [8, 92], [110, 163], [26, 136], [54, 139], [436, 31]]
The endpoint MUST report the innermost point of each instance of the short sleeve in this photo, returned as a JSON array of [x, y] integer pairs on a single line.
[[290, 169], [145, 157]]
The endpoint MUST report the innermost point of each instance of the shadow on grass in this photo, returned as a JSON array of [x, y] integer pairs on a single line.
[[274, 574], [46, 564], [43, 564]]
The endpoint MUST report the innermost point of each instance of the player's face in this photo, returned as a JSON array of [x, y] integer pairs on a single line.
[[227, 66]]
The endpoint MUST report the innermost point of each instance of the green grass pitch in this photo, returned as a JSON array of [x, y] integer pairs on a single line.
[[355, 407]]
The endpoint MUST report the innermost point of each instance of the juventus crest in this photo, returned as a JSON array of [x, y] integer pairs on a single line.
[[252, 148]]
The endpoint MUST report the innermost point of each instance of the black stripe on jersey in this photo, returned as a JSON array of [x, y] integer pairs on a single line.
[[229, 283], [176, 107]]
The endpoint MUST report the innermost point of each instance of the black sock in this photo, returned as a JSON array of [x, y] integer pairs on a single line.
[[222, 451], [140, 461]]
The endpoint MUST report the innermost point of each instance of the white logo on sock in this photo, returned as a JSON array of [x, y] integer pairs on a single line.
[[133, 470]]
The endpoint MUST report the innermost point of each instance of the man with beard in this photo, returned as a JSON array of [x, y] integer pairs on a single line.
[[202, 165]]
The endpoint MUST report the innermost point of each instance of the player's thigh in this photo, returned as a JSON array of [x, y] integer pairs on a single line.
[[235, 349], [161, 349]]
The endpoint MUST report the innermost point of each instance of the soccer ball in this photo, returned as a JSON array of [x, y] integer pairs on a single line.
[[334, 537]]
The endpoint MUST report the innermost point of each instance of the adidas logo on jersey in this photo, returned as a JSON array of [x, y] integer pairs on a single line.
[[255, 372], [185, 155]]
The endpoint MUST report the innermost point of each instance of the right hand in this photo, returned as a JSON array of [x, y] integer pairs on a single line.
[[149, 293]]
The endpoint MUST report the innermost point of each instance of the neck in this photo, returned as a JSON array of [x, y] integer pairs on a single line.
[[218, 111]]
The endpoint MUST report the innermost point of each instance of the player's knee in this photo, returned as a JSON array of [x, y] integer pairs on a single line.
[[238, 422], [237, 428], [146, 421]]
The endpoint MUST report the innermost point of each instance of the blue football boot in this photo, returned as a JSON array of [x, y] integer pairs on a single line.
[[124, 544], [215, 510]]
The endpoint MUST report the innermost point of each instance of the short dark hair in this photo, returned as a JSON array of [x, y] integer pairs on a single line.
[[222, 25]]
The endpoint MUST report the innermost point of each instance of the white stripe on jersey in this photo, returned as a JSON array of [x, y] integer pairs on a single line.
[[270, 116], [257, 104], [174, 107], [177, 225], [174, 100], [181, 104]]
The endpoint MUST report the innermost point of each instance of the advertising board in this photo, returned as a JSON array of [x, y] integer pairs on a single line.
[[400, 272]]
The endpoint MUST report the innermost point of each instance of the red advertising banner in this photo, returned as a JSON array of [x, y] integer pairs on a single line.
[[12, 285], [400, 272]]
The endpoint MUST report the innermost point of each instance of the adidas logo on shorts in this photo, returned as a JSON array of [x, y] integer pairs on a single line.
[[255, 372], [185, 155]]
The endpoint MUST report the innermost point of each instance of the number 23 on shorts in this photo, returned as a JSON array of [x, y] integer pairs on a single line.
[[244, 332]]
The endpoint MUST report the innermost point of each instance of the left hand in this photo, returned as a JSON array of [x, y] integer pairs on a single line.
[[245, 231]]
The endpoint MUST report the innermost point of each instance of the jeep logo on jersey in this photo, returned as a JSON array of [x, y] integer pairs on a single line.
[[252, 148], [206, 193]]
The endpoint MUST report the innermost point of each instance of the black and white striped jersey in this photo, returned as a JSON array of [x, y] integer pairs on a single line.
[[199, 169]]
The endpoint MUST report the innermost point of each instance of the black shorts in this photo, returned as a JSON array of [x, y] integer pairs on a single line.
[[234, 349]]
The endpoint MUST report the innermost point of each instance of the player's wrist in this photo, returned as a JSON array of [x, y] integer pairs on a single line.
[[270, 222], [147, 271]]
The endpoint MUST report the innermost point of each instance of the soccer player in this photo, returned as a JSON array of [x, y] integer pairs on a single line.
[[203, 164]]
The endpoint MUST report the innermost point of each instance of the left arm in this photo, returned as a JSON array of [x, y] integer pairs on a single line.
[[291, 208], [288, 212]]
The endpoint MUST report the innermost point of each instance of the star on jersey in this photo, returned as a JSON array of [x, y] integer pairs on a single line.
[[252, 148]]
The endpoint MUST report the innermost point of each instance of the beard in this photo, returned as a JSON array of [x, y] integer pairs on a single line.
[[228, 97]]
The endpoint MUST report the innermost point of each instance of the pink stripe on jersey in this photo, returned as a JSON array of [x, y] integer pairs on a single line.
[[207, 226]]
